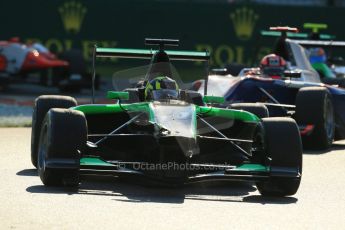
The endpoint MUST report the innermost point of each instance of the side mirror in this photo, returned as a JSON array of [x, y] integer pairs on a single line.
[[292, 74], [119, 95], [213, 99]]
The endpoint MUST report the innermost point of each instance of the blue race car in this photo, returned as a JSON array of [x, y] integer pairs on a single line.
[[295, 91]]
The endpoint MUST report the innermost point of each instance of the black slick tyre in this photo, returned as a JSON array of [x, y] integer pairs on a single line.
[[314, 107], [42, 105], [63, 136], [284, 149]]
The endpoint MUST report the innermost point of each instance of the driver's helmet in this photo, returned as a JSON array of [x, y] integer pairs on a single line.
[[317, 55], [161, 88], [273, 65]]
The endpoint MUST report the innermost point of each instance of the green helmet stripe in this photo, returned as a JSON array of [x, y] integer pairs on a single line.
[[158, 85], [148, 87]]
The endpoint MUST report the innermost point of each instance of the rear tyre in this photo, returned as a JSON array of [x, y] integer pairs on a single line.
[[63, 137], [42, 106], [260, 110], [314, 107], [283, 146]]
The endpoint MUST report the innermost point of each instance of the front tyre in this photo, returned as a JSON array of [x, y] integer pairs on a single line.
[[63, 137], [42, 105], [284, 149]]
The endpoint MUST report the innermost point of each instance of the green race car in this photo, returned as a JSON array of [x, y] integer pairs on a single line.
[[158, 131]]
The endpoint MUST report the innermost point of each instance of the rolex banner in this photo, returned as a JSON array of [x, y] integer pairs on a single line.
[[229, 31]]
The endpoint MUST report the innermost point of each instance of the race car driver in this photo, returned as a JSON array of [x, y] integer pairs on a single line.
[[273, 66], [161, 88]]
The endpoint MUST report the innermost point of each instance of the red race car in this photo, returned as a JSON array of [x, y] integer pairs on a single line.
[[34, 63]]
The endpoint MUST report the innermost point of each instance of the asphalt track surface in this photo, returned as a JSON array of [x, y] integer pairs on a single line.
[[108, 203]]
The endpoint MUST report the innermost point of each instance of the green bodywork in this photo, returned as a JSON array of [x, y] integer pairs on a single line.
[[253, 167], [149, 108], [145, 107], [94, 161], [228, 113], [117, 95], [213, 99], [112, 108]]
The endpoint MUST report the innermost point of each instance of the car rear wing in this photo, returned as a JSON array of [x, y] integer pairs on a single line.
[[148, 53], [294, 35]]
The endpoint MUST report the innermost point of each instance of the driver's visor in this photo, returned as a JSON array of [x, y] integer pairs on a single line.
[[163, 94]]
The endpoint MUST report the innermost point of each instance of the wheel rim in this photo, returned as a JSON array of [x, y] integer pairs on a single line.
[[329, 120]]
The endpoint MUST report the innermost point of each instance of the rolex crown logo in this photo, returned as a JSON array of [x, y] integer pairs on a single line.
[[72, 14], [244, 21]]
